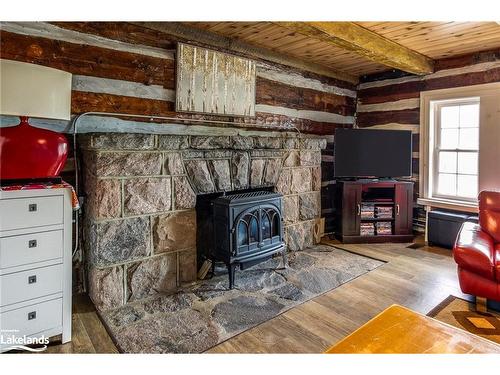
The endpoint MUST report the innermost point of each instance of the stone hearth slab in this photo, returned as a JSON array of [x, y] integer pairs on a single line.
[[201, 316]]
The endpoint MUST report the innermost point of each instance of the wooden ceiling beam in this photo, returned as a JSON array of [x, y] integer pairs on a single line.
[[366, 43], [185, 33]]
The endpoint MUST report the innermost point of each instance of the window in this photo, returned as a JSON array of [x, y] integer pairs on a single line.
[[459, 154], [456, 149]]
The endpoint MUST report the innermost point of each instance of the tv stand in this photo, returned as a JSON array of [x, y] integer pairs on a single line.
[[369, 211], [374, 179]]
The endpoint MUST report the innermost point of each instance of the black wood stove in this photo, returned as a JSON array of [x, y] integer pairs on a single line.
[[247, 228]]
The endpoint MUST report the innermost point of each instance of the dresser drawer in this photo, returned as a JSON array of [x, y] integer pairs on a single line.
[[26, 285], [21, 213], [33, 319], [30, 248]]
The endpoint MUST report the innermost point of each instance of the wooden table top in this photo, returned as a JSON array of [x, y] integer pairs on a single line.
[[401, 330]]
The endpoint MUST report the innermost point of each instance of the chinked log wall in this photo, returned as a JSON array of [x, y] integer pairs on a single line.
[[395, 103], [124, 68]]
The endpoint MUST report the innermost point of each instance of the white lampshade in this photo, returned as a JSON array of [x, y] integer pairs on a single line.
[[34, 91]]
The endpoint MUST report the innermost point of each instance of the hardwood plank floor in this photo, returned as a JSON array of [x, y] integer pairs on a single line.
[[416, 278], [88, 332]]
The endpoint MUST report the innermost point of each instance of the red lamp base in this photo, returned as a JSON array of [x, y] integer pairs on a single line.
[[27, 152]]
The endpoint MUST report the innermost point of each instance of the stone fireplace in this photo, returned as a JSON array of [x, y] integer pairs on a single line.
[[140, 226]]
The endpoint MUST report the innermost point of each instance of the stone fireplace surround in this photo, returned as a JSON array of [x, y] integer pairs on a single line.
[[140, 218]]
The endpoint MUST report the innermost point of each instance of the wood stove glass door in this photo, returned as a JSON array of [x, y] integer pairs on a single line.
[[247, 234], [266, 225], [270, 226], [257, 228]]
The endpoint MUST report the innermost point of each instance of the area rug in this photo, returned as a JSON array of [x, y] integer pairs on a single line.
[[462, 314], [199, 317]]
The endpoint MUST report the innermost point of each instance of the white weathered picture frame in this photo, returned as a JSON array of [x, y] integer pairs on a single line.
[[213, 82]]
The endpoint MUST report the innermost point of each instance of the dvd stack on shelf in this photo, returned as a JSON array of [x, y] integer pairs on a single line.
[[384, 228], [384, 212], [419, 222], [367, 229], [367, 211]]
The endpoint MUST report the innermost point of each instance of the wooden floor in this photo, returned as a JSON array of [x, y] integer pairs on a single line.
[[88, 333], [416, 278]]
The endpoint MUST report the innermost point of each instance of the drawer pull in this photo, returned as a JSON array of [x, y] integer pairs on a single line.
[[31, 243], [32, 207], [32, 279], [32, 315]]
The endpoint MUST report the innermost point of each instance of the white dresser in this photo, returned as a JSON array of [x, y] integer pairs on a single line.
[[35, 263]]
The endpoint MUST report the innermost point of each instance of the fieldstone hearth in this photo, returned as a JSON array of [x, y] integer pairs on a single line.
[[198, 317], [140, 217]]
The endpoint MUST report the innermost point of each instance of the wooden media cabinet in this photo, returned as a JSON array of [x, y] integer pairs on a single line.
[[386, 206]]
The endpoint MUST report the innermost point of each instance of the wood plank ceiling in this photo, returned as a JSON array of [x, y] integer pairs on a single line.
[[432, 39], [440, 39], [286, 41]]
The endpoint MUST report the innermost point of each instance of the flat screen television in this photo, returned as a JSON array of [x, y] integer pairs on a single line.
[[372, 153]]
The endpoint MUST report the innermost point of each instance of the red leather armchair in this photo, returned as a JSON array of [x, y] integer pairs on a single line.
[[477, 250]]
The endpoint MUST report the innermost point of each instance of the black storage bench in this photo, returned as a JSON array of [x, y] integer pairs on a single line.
[[443, 227]]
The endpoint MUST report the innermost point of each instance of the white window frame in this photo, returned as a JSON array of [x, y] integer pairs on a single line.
[[434, 152], [428, 100]]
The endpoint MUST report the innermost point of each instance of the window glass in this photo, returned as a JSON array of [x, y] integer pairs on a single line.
[[467, 186], [469, 115], [456, 151], [467, 163], [448, 162], [447, 184], [450, 116], [469, 139], [449, 139]]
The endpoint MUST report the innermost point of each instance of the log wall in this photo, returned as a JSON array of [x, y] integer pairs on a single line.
[[123, 68], [395, 103]]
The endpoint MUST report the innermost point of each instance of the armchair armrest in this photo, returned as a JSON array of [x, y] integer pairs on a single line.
[[474, 250]]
